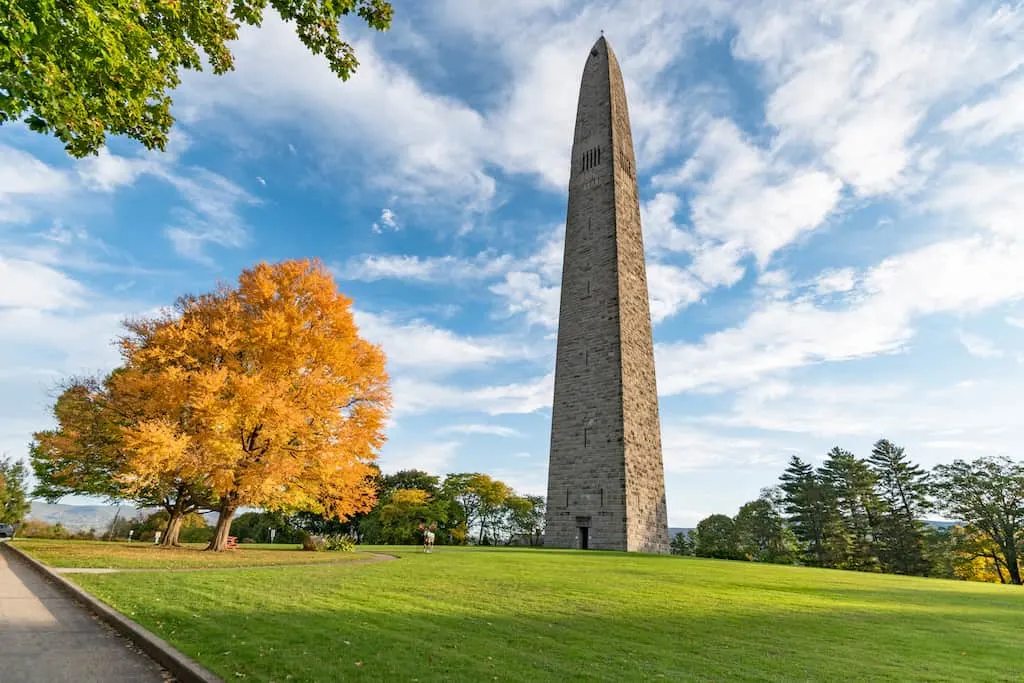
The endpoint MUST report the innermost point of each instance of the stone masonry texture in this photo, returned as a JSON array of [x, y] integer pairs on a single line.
[[606, 479]]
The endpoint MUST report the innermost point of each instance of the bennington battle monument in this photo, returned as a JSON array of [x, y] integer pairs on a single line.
[[606, 480]]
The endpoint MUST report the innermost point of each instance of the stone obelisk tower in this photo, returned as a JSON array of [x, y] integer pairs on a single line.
[[606, 481]]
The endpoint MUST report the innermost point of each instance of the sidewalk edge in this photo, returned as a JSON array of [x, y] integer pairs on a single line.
[[185, 670]]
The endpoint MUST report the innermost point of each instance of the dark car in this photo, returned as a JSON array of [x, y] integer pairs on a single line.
[[6, 531]]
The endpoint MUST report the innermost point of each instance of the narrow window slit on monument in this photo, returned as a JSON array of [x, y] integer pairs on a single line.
[[586, 441]]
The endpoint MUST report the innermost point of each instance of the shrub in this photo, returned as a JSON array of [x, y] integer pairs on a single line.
[[340, 543], [333, 543]]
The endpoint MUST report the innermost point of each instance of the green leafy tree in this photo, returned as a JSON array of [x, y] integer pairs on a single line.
[[410, 479], [903, 489], [716, 537], [988, 494], [851, 485], [480, 498], [83, 70], [14, 504], [403, 514], [256, 526], [684, 543], [522, 519], [940, 552], [761, 533]]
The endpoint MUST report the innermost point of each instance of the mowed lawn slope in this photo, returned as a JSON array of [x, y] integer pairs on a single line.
[[139, 555], [529, 615]]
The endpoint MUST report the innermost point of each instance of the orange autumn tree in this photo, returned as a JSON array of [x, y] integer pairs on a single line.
[[271, 397]]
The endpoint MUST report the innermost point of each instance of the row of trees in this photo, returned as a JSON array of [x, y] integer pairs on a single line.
[[465, 507], [865, 514], [262, 395]]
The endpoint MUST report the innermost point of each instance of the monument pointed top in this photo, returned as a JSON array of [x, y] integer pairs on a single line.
[[602, 46]]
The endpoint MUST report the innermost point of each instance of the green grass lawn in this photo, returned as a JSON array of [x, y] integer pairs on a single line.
[[532, 615], [123, 555]]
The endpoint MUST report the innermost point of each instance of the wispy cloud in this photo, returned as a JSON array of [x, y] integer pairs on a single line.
[[491, 430], [980, 347]]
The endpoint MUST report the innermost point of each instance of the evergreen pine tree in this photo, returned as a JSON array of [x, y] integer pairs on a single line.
[[902, 487]]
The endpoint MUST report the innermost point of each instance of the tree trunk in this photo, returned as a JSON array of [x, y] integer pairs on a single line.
[[220, 533], [1012, 565], [170, 537], [999, 567]]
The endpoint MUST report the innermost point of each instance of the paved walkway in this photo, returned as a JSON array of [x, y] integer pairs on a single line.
[[46, 637]]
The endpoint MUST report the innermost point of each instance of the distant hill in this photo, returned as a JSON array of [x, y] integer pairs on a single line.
[[939, 525], [98, 517], [673, 530], [80, 517]]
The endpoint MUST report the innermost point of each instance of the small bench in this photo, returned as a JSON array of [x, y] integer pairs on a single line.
[[232, 542]]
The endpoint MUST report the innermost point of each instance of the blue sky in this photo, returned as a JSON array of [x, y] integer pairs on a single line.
[[832, 197]]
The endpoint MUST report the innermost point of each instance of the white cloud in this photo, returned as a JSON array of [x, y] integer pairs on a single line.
[[856, 81], [835, 281], [671, 289], [415, 396], [980, 347], [107, 172], [433, 458], [686, 449], [435, 351], [387, 221], [24, 182], [749, 198], [996, 117], [437, 269], [661, 233], [1015, 322], [213, 215], [969, 274], [423, 144], [492, 430], [983, 413], [30, 285], [988, 197], [527, 294]]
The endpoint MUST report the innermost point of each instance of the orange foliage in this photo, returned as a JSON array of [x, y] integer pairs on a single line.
[[265, 391]]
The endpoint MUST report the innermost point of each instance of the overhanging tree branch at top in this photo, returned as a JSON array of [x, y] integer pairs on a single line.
[[87, 69]]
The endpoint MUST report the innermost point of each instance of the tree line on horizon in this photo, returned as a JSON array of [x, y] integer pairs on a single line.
[[865, 514], [464, 508]]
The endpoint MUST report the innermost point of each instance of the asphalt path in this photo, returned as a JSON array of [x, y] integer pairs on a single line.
[[46, 637]]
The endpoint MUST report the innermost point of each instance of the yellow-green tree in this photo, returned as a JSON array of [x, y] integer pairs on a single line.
[[975, 556], [481, 498], [264, 391]]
